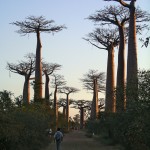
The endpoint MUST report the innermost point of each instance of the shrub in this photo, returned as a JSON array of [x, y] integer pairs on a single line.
[[24, 128], [130, 128]]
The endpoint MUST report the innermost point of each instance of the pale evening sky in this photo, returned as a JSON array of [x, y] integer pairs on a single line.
[[66, 48]]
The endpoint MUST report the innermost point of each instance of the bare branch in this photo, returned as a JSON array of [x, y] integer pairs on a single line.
[[34, 24]]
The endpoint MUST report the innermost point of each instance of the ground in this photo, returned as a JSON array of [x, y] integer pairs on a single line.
[[76, 140]]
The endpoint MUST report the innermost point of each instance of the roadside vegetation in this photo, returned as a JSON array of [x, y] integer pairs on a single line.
[[24, 126], [131, 128]]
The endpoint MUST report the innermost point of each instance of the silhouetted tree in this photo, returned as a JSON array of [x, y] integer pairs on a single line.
[[81, 105], [24, 68], [57, 82], [37, 25], [68, 90], [6, 100], [49, 69], [94, 81]]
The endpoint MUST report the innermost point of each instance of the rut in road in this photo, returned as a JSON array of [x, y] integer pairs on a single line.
[[76, 140]]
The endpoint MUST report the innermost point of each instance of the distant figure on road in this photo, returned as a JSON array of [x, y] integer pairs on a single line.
[[58, 137]]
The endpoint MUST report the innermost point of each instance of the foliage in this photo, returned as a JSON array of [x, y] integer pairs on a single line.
[[130, 128], [5, 100], [24, 127]]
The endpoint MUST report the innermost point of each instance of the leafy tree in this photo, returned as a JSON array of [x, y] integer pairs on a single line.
[[37, 25], [6, 102], [24, 68]]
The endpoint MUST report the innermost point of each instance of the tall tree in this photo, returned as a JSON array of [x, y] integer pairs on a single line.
[[24, 68], [37, 25], [57, 82], [108, 38], [68, 90], [49, 69], [132, 63], [94, 81], [117, 16]]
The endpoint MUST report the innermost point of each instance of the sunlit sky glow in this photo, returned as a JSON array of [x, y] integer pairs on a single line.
[[66, 48]]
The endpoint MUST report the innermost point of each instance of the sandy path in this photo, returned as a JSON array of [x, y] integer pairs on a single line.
[[76, 140]]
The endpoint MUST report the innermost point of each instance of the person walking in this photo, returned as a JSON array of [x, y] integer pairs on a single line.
[[58, 137]]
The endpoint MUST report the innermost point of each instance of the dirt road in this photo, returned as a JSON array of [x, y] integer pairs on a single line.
[[76, 140]]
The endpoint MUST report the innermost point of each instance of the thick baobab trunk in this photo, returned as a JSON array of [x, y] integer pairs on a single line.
[[81, 117], [110, 102], [64, 111], [132, 65], [94, 110], [91, 115], [38, 70], [46, 86], [120, 91], [26, 90], [56, 107], [67, 111]]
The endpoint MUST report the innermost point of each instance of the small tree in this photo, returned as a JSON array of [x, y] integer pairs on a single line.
[[37, 25], [6, 102]]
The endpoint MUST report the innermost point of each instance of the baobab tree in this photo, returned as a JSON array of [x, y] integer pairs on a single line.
[[57, 82], [101, 107], [81, 105], [49, 69], [37, 25], [63, 103], [119, 17], [94, 81], [108, 38], [24, 68], [68, 90], [132, 63]]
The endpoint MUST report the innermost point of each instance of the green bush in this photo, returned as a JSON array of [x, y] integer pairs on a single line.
[[25, 128], [130, 128]]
